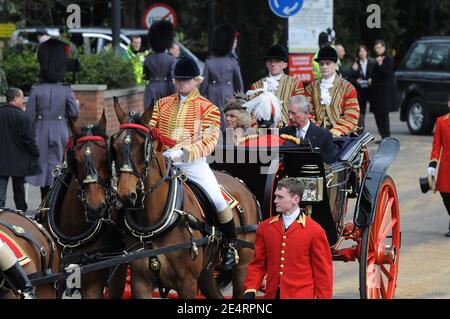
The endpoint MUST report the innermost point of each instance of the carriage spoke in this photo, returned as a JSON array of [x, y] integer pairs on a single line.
[[388, 228], [383, 290], [386, 272]]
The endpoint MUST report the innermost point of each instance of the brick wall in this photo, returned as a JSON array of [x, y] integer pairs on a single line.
[[94, 98]]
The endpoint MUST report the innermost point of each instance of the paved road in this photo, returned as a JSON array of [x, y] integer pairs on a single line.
[[425, 254]]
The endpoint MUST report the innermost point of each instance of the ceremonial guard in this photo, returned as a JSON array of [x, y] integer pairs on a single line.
[[13, 272], [279, 83], [440, 159], [334, 99], [49, 106], [222, 74], [292, 250], [193, 123], [158, 67]]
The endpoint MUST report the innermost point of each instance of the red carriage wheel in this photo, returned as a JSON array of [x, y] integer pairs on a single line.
[[380, 247]]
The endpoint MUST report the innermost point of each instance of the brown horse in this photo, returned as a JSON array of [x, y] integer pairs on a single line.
[[37, 252], [145, 182], [78, 214]]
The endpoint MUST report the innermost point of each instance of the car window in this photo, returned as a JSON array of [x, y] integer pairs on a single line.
[[437, 57], [414, 61]]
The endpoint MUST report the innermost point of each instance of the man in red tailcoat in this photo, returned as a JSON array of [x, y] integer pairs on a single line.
[[292, 249]]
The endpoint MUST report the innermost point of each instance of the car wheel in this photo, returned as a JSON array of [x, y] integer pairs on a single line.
[[418, 117]]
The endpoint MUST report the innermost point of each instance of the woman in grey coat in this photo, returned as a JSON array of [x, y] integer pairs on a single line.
[[49, 105], [158, 67], [222, 74]]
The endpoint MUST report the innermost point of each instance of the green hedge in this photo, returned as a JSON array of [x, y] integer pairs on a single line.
[[22, 70]]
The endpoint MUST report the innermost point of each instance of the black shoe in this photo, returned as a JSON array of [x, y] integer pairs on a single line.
[[230, 255], [18, 279]]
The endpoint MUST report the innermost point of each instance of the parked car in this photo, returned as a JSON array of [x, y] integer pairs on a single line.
[[423, 83], [92, 39]]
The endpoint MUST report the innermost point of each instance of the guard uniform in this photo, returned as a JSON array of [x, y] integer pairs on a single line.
[[288, 86], [334, 101], [158, 67]]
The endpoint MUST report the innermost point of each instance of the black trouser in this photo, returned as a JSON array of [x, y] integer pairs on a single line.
[[363, 96], [18, 183], [446, 199], [382, 120], [44, 191]]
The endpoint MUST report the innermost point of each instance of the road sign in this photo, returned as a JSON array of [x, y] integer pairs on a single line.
[[159, 11], [285, 8], [304, 28]]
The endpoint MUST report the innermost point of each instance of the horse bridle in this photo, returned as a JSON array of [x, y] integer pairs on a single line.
[[92, 175], [149, 155]]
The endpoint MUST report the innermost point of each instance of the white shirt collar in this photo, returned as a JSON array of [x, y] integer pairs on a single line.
[[276, 77], [303, 130], [182, 98], [288, 220], [329, 81]]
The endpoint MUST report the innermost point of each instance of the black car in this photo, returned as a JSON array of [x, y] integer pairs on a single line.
[[423, 83]]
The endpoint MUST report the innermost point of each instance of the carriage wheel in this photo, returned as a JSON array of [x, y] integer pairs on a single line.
[[380, 247]]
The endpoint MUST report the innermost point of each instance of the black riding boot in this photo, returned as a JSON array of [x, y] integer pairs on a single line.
[[448, 233], [17, 277], [230, 255]]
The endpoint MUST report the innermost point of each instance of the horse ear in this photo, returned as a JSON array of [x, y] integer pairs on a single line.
[[76, 130], [102, 122], [121, 115], [147, 116]]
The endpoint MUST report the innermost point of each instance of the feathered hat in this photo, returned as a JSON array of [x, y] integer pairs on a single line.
[[161, 35], [52, 57], [266, 108], [223, 39]]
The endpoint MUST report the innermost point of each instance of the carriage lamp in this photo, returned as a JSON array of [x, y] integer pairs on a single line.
[[313, 191]]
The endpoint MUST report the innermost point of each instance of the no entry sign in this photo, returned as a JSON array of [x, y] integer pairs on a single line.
[[159, 11]]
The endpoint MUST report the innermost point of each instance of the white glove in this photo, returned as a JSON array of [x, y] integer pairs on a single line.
[[272, 85], [431, 171], [173, 154]]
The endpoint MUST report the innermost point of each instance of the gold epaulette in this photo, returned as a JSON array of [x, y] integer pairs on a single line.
[[247, 138], [291, 138]]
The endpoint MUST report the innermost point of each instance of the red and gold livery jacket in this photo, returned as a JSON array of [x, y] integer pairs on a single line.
[[342, 115], [441, 153], [194, 124], [287, 87], [297, 261]]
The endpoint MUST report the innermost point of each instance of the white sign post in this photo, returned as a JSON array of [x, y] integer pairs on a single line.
[[305, 26]]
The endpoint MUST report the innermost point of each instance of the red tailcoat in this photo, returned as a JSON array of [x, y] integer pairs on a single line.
[[441, 153], [298, 260]]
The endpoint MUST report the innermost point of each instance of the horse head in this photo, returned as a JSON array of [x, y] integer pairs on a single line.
[[88, 162], [131, 149]]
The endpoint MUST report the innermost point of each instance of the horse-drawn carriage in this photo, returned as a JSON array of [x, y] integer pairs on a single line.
[[375, 227], [84, 215]]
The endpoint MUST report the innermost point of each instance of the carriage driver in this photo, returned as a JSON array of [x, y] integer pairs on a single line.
[[194, 123], [11, 269]]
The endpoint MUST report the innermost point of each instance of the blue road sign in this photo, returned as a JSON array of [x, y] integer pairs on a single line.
[[285, 8]]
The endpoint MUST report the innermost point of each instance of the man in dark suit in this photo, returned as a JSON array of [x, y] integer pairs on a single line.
[[383, 89], [302, 127], [19, 155]]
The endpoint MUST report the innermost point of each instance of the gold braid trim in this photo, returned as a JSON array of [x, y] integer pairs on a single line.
[[291, 138], [247, 138]]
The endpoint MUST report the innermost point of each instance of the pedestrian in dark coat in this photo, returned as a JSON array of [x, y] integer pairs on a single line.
[[222, 74], [49, 105], [360, 74], [158, 66], [383, 89], [19, 155]]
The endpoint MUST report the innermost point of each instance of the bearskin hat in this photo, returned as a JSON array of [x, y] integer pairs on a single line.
[[52, 57], [223, 39], [161, 35]]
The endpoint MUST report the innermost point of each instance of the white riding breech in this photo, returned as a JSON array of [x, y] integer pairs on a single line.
[[7, 257], [200, 172]]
